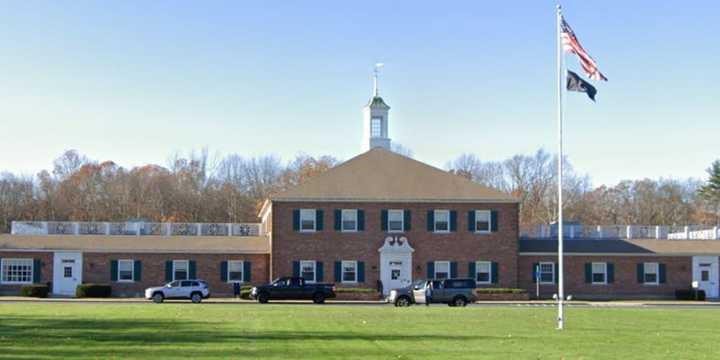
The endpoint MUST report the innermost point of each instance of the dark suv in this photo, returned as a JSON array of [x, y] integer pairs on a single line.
[[454, 292]]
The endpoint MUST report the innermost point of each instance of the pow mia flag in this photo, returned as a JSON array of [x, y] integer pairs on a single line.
[[575, 83]]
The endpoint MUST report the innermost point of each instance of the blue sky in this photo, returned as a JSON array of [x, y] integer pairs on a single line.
[[136, 81]]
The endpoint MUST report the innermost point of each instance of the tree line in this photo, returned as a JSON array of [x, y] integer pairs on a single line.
[[198, 187]]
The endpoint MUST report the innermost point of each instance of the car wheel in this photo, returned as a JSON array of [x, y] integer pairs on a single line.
[[263, 298], [459, 301], [196, 298], [158, 298], [319, 298], [402, 301]]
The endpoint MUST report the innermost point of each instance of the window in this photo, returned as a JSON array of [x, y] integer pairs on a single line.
[[67, 272], [235, 271], [599, 273], [349, 220], [482, 221], [126, 270], [547, 273], [307, 270], [349, 271], [442, 220], [376, 127], [482, 272], [307, 219], [396, 221], [180, 269], [651, 273], [442, 269], [459, 284], [17, 271]]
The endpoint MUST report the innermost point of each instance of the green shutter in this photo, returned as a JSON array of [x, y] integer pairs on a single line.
[[37, 271], [168, 271], [319, 219], [640, 273], [471, 220], [431, 220], [361, 271], [338, 220], [247, 271], [495, 272], [453, 220], [430, 270], [296, 220], [113, 270], [535, 272], [224, 271], [193, 270], [557, 273], [296, 268], [661, 273], [361, 220], [610, 273], [588, 273], [407, 220], [493, 220], [319, 273], [137, 270], [472, 270], [453, 269], [338, 271], [384, 220]]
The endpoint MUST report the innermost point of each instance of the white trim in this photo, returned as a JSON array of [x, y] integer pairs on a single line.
[[314, 264], [400, 201], [604, 272], [314, 220], [540, 280], [342, 271], [132, 271], [606, 254], [657, 273], [342, 221], [134, 251], [489, 215], [402, 221], [187, 269], [242, 271], [477, 271], [435, 221], [2, 272], [435, 269]]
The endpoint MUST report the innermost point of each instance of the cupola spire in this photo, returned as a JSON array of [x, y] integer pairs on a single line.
[[375, 118]]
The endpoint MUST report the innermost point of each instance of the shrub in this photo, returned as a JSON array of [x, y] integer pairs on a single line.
[[93, 291], [35, 290], [355, 290], [245, 291], [689, 294], [500, 291]]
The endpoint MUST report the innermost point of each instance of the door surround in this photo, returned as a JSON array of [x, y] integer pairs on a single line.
[[64, 281], [395, 258], [710, 265]]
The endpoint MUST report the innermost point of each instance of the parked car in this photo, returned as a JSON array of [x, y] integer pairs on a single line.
[[195, 290], [293, 288], [454, 292]]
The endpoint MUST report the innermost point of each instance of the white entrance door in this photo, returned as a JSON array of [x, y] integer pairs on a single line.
[[395, 264], [67, 272], [705, 272]]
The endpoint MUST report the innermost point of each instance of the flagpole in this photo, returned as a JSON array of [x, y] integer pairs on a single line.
[[561, 290]]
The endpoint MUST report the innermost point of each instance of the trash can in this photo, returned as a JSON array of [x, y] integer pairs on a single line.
[[236, 289]]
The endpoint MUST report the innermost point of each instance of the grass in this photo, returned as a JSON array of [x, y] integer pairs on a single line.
[[291, 331]]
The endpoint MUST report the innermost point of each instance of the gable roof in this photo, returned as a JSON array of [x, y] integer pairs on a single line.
[[382, 175], [623, 247]]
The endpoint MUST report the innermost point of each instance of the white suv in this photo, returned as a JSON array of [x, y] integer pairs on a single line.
[[195, 290]]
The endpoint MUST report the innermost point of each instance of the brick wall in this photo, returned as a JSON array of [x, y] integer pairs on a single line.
[[678, 276], [329, 245], [46, 259]]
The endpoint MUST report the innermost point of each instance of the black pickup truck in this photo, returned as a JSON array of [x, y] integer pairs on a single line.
[[293, 288]]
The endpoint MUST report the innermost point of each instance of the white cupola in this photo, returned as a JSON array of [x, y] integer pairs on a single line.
[[375, 119]]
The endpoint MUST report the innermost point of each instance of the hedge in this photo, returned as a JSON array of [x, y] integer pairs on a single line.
[[245, 291], [355, 290], [500, 291], [35, 290], [93, 291], [690, 294]]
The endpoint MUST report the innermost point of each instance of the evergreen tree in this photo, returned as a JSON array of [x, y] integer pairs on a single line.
[[710, 192]]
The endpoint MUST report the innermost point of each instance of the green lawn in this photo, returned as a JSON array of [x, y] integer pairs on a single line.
[[52, 330]]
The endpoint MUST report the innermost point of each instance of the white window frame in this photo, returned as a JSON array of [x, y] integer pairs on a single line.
[[314, 219], [540, 266], [489, 217], [187, 269], [132, 270], [435, 221], [242, 271], [314, 266], [436, 269], [3, 262], [489, 272], [342, 220], [379, 120], [342, 271], [402, 220], [593, 272], [656, 272]]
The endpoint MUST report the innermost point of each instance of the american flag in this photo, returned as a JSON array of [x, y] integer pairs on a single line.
[[571, 44]]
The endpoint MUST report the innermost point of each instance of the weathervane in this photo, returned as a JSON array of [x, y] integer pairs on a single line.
[[376, 70]]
